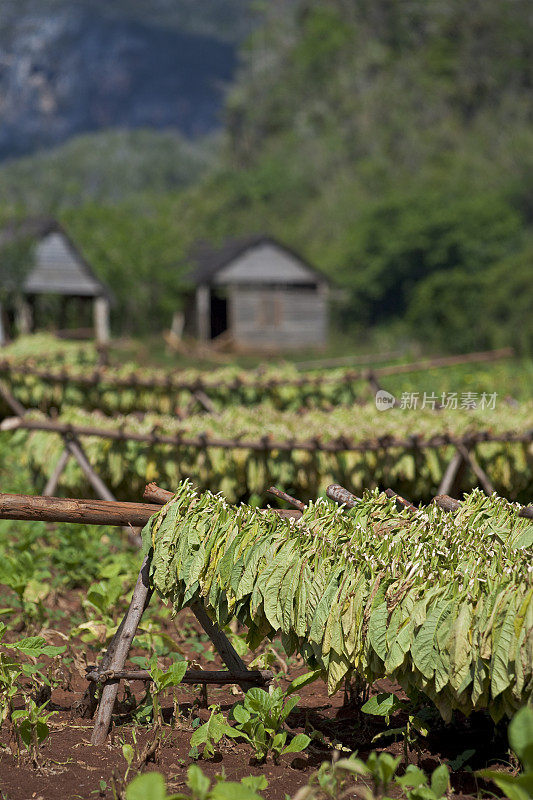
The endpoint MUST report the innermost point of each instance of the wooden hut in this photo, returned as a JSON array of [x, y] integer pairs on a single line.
[[259, 294], [52, 265]]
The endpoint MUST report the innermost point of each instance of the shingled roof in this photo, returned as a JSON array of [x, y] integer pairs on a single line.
[[208, 260], [63, 275]]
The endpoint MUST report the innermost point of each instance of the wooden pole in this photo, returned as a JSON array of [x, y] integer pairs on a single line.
[[450, 479], [207, 404], [287, 497], [401, 500], [221, 643], [53, 480], [74, 448], [12, 402], [169, 383], [139, 601], [35, 508], [154, 494], [256, 677], [447, 503], [265, 444], [32, 508], [101, 320], [341, 496], [476, 469]]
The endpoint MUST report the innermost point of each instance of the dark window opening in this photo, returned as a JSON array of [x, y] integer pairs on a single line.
[[219, 314]]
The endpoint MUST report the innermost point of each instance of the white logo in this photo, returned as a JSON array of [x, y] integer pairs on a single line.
[[384, 400]]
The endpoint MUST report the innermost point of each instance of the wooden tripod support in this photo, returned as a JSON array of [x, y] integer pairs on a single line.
[[111, 669]]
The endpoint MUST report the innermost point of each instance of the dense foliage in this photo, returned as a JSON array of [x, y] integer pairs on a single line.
[[390, 144], [104, 167], [242, 472], [440, 603]]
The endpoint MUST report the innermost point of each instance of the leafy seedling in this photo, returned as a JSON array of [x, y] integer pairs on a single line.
[[260, 720], [210, 733]]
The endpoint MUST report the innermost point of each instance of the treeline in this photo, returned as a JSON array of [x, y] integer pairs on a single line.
[[391, 143]]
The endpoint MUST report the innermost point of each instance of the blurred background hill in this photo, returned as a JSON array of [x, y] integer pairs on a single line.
[[390, 143]]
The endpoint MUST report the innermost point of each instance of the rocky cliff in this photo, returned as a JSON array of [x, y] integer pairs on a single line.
[[66, 68]]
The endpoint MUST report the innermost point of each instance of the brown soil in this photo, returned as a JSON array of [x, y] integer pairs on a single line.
[[72, 768]]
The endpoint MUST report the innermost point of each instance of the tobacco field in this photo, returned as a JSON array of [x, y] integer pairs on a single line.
[[400, 639], [248, 460]]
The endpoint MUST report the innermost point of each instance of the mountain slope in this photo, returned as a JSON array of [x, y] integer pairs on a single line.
[[67, 68]]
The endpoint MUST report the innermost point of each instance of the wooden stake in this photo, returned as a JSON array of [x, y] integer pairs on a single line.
[[399, 499], [287, 497], [221, 643], [53, 480], [139, 601], [341, 496], [476, 469], [451, 474], [192, 676]]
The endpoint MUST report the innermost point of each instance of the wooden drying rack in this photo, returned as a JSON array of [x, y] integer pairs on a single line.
[[111, 669], [112, 666]]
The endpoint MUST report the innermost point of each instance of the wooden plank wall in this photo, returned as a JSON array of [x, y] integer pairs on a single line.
[[291, 316]]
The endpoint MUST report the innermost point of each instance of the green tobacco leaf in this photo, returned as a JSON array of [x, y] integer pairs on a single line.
[[382, 705], [377, 630], [36, 646], [521, 737], [296, 745], [424, 645], [440, 781], [524, 538], [303, 680], [508, 784], [150, 786]]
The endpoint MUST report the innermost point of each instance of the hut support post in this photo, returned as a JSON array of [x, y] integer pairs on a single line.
[[3, 332], [24, 316], [101, 320], [203, 313]]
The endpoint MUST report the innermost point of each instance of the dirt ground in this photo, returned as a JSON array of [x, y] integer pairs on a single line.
[[72, 768]]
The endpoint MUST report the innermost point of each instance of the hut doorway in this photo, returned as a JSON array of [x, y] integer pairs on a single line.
[[219, 313]]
